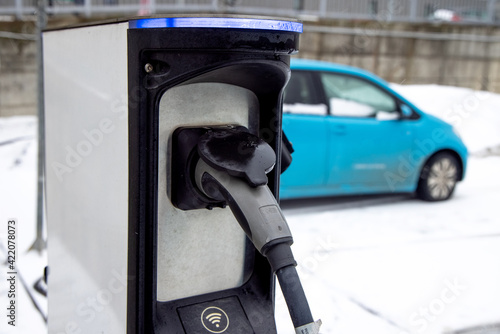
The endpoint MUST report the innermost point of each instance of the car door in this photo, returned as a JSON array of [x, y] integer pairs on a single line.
[[305, 126], [370, 137]]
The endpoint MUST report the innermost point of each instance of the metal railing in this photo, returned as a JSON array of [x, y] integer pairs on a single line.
[[459, 11]]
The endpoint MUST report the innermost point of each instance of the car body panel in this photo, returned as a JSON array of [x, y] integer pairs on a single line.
[[337, 155], [363, 150], [309, 151]]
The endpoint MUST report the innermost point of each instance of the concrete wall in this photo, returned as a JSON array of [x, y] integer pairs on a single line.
[[472, 63], [18, 74]]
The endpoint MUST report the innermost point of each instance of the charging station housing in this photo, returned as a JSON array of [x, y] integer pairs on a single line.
[[129, 251]]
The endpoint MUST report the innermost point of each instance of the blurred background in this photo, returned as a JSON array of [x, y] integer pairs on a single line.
[[383, 264], [447, 42]]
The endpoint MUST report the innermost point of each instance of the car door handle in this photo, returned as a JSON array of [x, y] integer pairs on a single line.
[[339, 130]]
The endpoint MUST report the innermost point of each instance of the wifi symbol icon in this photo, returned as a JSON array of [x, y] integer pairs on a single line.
[[214, 319]]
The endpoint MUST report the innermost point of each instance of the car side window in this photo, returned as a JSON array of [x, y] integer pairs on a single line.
[[353, 97], [300, 96]]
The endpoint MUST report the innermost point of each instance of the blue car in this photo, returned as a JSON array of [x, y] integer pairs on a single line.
[[352, 134]]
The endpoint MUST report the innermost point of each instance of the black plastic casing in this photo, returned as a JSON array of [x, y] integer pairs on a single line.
[[254, 59]]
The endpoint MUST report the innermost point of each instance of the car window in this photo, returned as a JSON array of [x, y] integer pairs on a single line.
[[301, 97], [354, 97]]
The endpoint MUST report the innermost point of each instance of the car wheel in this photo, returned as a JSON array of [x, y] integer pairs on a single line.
[[438, 178]]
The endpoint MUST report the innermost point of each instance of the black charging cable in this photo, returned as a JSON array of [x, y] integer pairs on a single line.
[[280, 257]]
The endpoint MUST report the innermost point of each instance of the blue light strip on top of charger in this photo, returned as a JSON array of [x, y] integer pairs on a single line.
[[216, 22]]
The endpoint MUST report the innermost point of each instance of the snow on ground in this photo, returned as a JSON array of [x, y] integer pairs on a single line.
[[380, 264], [18, 154], [377, 264]]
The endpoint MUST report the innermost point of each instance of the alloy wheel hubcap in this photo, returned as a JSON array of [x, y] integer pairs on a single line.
[[442, 178]]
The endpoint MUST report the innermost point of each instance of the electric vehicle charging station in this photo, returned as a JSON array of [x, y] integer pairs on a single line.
[[164, 150]]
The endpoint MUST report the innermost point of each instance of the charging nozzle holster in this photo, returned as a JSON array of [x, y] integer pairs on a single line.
[[232, 167]]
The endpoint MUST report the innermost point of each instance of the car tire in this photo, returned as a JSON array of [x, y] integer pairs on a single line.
[[438, 178]]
